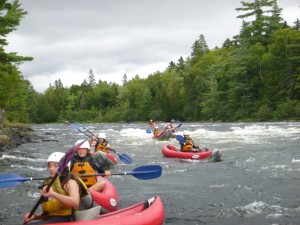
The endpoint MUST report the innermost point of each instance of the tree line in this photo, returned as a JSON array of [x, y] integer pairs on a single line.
[[254, 76]]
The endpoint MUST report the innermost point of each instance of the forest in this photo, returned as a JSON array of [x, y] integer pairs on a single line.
[[254, 76]]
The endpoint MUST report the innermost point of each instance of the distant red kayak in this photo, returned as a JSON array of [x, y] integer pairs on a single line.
[[164, 135], [172, 152]]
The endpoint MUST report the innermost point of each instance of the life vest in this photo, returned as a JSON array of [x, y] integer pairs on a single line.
[[101, 147], [52, 207], [82, 167], [156, 132], [188, 145]]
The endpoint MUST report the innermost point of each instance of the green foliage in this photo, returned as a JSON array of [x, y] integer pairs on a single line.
[[13, 87]]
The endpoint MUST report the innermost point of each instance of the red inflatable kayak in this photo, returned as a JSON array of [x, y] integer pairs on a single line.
[[107, 198], [149, 212], [172, 152]]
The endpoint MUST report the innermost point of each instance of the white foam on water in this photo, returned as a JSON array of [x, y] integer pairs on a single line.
[[135, 132], [29, 167], [18, 158], [295, 160], [260, 207], [218, 186], [258, 133]]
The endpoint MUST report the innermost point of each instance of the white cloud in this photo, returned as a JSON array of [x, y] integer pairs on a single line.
[[68, 38]]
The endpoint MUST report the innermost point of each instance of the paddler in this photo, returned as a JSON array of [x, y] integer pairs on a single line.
[[101, 144], [85, 163], [64, 196], [188, 144]]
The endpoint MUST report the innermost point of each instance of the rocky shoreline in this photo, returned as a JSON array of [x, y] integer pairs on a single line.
[[15, 135]]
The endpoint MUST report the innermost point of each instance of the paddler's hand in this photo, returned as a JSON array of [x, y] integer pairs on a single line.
[[107, 173], [26, 219], [47, 194]]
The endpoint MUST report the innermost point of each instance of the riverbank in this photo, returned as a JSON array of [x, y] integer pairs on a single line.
[[15, 135]]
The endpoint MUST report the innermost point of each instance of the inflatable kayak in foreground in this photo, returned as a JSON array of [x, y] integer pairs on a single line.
[[172, 152], [149, 212], [107, 198]]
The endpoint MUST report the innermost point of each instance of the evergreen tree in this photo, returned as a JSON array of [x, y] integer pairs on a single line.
[[267, 18], [91, 79], [12, 93]]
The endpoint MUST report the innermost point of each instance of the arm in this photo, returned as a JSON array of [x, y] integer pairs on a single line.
[[97, 166]]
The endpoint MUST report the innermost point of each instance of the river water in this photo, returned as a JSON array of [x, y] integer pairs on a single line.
[[257, 181]]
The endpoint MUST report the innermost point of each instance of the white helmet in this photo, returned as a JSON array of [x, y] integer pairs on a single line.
[[101, 135], [186, 132], [55, 157], [156, 127], [85, 144]]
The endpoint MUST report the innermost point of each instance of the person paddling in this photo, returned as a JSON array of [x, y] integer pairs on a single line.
[[171, 127], [188, 144], [152, 123], [101, 144], [64, 197], [85, 163], [156, 131]]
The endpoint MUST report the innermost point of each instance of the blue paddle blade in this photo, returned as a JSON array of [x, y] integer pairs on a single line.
[[8, 176], [180, 138], [125, 158], [146, 172], [10, 184], [9, 180], [148, 131]]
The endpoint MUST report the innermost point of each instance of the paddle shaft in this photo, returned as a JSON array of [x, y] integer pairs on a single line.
[[123, 157]]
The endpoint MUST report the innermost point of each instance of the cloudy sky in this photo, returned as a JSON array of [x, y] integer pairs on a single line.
[[67, 38]]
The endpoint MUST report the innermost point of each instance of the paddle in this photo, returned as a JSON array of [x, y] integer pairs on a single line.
[[180, 138], [61, 165], [179, 125], [142, 172], [148, 131], [12, 180], [122, 156]]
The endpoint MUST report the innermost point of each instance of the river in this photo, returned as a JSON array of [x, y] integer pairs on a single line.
[[257, 181]]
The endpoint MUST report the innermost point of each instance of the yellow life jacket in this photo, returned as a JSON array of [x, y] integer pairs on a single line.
[[156, 132], [101, 147], [188, 145], [84, 167], [53, 207]]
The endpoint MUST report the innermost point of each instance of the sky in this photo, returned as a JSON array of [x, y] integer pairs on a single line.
[[68, 38]]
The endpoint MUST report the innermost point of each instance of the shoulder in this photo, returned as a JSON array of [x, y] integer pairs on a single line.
[[71, 184]]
